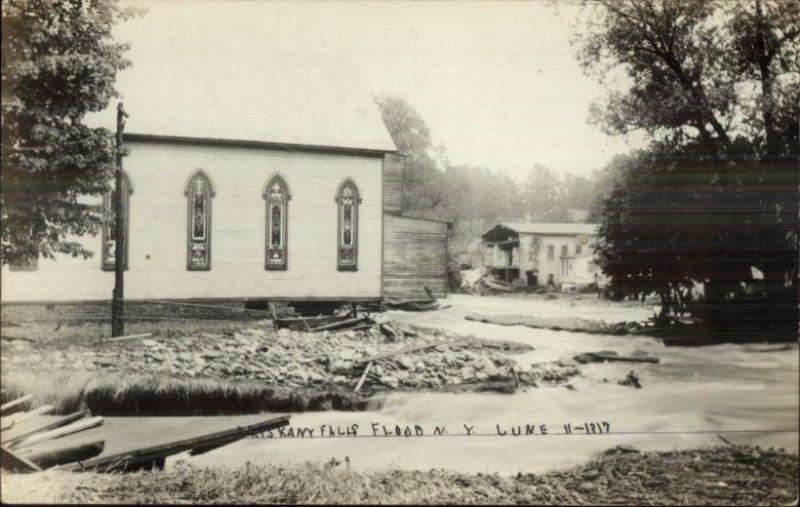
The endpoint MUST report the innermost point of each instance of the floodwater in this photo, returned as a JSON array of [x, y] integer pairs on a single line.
[[742, 392]]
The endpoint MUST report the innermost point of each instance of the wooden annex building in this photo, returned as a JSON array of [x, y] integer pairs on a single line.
[[272, 181]]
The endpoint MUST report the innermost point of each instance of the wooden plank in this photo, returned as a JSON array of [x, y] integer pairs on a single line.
[[360, 327], [75, 427], [6, 407], [341, 324], [409, 349], [625, 359], [122, 460], [211, 446], [307, 323], [363, 377], [53, 457], [22, 416], [128, 337], [393, 301], [9, 460], [22, 431]]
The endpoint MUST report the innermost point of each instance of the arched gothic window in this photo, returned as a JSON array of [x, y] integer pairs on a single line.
[[109, 225], [198, 192], [276, 193], [348, 200]]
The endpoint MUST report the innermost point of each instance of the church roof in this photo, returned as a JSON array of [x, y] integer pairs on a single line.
[[186, 82]]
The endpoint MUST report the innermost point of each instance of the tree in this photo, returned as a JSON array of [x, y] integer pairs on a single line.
[[59, 62], [543, 194], [549, 197], [716, 86], [423, 193], [604, 181]]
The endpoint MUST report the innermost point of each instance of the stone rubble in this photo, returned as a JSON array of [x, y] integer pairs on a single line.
[[296, 358]]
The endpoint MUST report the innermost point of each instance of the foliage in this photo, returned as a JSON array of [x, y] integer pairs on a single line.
[[716, 86], [59, 63], [549, 197], [423, 191], [474, 199]]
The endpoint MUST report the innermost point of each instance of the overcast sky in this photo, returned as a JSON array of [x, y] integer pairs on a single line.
[[497, 83]]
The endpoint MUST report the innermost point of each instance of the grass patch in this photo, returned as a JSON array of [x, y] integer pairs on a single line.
[[88, 321], [142, 394], [715, 476]]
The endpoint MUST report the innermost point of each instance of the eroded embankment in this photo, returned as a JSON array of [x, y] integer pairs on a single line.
[[256, 368]]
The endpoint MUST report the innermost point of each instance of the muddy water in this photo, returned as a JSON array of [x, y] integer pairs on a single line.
[[693, 394]]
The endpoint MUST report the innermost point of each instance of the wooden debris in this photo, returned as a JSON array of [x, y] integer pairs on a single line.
[[7, 407], [52, 457], [60, 432], [361, 327], [599, 357], [410, 349], [363, 377], [18, 432], [347, 323], [13, 462], [128, 337], [126, 460], [18, 454], [204, 449], [631, 380], [411, 305], [306, 323], [22, 416], [496, 284], [388, 331]]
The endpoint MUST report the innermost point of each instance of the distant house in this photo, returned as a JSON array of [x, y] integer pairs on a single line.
[[542, 253], [276, 180]]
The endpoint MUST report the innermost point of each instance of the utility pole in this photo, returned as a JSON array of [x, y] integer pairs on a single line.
[[117, 305]]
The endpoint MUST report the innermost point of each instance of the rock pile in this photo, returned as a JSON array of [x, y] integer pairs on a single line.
[[295, 358]]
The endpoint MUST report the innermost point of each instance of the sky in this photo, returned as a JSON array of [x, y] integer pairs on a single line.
[[497, 82]]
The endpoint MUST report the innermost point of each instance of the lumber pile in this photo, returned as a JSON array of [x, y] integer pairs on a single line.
[[352, 321], [480, 281], [413, 305], [23, 429], [30, 442]]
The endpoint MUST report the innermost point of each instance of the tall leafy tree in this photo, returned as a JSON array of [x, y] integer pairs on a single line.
[[716, 86], [423, 192], [59, 62], [544, 196]]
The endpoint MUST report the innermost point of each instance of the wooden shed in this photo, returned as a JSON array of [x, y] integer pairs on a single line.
[[414, 257]]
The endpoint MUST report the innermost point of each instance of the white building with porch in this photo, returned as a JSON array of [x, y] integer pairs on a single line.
[[531, 254]]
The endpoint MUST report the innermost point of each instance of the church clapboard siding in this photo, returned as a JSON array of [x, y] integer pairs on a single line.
[[158, 230]]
